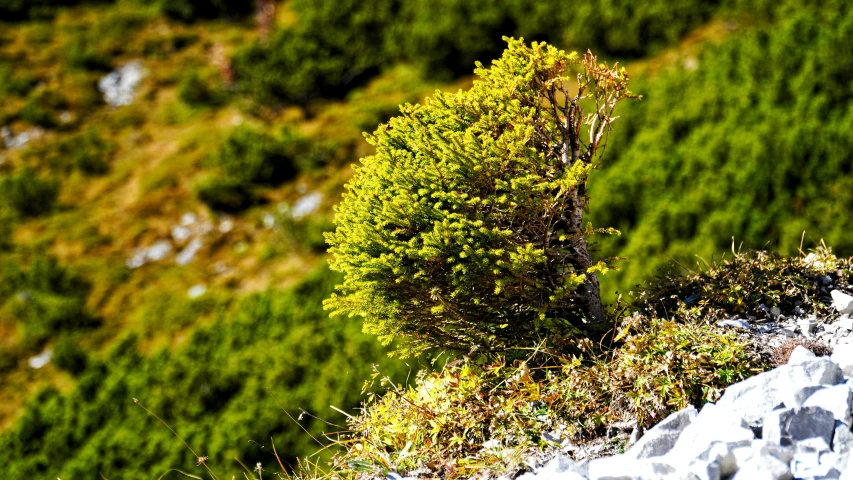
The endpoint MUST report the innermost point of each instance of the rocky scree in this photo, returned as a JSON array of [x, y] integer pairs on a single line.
[[790, 422]]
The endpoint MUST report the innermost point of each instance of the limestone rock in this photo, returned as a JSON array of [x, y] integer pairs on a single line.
[[659, 440]]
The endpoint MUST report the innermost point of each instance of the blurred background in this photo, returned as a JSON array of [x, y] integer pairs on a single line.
[[167, 169]]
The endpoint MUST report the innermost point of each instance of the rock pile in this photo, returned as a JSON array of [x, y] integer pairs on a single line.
[[777, 328], [791, 422]]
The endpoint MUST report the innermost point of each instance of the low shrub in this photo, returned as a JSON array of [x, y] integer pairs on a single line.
[[224, 193], [751, 284], [91, 153], [257, 157], [68, 356], [196, 90], [465, 230], [43, 297], [13, 82], [81, 53], [249, 158], [190, 10], [29, 194]]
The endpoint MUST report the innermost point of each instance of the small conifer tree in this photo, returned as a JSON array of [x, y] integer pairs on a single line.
[[465, 229]]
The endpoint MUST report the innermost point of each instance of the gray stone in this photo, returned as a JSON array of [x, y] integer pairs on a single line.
[[756, 396], [842, 438], [807, 326], [736, 323], [558, 468], [799, 355], [763, 467], [792, 425], [822, 472], [814, 371], [620, 467], [837, 399], [659, 440], [842, 302], [796, 397], [718, 461], [713, 424]]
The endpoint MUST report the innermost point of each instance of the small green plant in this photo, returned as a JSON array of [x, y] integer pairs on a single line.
[[195, 90], [465, 230], [68, 356], [91, 154], [29, 194], [250, 158]]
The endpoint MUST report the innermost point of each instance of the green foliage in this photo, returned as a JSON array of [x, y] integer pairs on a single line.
[[68, 356], [16, 10], [441, 235], [212, 389], [251, 157], [40, 107], [44, 298], [190, 10], [335, 44], [751, 284], [91, 153], [752, 144], [471, 418], [13, 82], [29, 194], [197, 91], [334, 47], [225, 194]]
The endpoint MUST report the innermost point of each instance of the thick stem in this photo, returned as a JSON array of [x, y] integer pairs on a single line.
[[593, 308]]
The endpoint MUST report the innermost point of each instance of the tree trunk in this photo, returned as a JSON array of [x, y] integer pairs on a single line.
[[591, 292]]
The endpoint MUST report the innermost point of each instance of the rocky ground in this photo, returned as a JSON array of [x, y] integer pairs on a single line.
[[790, 422]]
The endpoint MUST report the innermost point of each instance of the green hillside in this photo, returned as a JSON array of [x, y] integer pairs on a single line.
[[170, 248]]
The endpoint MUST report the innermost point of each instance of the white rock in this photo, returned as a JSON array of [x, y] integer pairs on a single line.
[[120, 85], [713, 424], [41, 359], [842, 439], [800, 354], [814, 371], [837, 399], [807, 326], [306, 205], [188, 253], [842, 302], [226, 225], [558, 468], [754, 397], [662, 437], [842, 355], [764, 467], [179, 233], [188, 219], [196, 291], [619, 467], [845, 323], [737, 323], [797, 396], [719, 461], [158, 251]]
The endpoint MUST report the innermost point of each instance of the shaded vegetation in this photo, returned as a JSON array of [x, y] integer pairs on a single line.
[[213, 389], [735, 149]]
